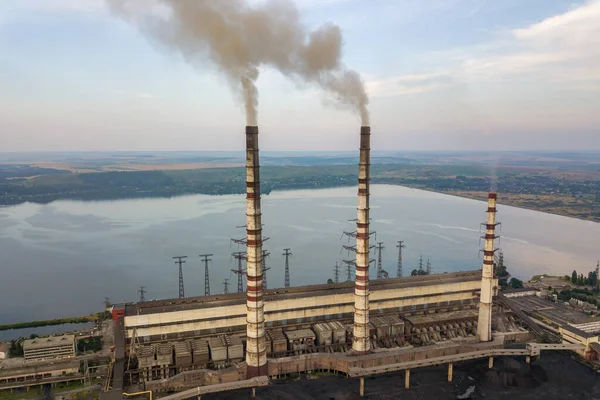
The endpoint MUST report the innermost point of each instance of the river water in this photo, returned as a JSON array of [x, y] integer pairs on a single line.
[[63, 258]]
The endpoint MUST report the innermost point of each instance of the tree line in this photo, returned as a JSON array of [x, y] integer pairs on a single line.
[[580, 280]]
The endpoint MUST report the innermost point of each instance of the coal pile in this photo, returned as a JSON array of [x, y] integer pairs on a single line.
[[555, 376]]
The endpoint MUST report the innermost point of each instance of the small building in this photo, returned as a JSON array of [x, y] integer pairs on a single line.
[[117, 310], [235, 348], [301, 339], [584, 334], [324, 333], [26, 374], [521, 292], [339, 332], [218, 351], [278, 342], [200, 352], [4, 350], [49, 348]]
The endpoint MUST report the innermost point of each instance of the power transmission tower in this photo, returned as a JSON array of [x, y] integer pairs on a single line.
[[106, 302], [400, 246], [142, 292], [598, 274], [353, 248], [350, 265], [336, 273], [206, 259], [226, 286], [421, 263], [380, 248], [180, 261], [265, 254], [428, 267], [287, 253], [240, 272]]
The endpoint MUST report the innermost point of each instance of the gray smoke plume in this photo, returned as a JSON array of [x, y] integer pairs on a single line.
[[240, 38]]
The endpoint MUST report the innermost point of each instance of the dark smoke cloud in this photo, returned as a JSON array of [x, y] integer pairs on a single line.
[[240, 38]]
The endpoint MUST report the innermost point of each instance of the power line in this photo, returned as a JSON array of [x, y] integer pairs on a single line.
[[287, 253], [400, 246], [265, 254], [206, 259], [336, 273], [350, 265], [142, 292], [226, 286], [428, 267], [380, 248], [240, 272], [180, 261]]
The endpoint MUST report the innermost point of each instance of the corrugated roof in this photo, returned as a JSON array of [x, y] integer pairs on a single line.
[[51, 341]]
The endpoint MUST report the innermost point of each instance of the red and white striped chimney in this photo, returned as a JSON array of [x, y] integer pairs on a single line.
[[256, 350], [484, 325], [361, 343]]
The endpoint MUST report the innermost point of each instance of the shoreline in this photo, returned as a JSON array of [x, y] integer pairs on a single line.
[[462, 196], [449, 193]]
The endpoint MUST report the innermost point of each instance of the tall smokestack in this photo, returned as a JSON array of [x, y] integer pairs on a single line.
[[361, 343], [484, 327], [256, 350]]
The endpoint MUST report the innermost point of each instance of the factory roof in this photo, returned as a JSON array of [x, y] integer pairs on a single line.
[[22, 367], [51, 341], [193, 303], [300, 334], [4, 347], [441, 317]]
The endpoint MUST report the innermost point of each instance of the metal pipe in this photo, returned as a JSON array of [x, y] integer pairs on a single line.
[[484, 326], [256, 349], [361, 344]]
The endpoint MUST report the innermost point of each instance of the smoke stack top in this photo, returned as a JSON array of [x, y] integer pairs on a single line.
[[240, 38]]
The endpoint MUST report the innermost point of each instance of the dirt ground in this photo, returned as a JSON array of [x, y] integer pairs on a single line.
[[554, 376]]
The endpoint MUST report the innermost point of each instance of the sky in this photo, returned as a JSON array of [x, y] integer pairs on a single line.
[[440, 74]]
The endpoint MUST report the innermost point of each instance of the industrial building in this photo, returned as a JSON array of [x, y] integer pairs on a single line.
[[32, 373], [4, 350], [49, 348], [179, 319]]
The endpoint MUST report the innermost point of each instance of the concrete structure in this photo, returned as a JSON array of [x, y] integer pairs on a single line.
[[194, 317], [361, 343], [48, 348], [256, 348], [218, 351], [324, 333], [574, 335], [522, 292], [277, 342], [36, 373], [488, 284], [300, 340], [235, 348], [201, 355], [4, 350], [183, 355]]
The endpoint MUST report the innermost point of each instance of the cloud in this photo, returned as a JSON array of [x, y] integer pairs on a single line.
[[54, 5], [564, 47], [561, 49], [409, 84]]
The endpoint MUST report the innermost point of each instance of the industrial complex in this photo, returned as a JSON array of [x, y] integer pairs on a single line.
[[190, 346]]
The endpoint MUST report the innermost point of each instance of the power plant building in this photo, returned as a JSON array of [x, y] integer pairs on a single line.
[[48, 348]]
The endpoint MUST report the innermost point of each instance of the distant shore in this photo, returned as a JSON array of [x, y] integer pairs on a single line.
[[538, 191]]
